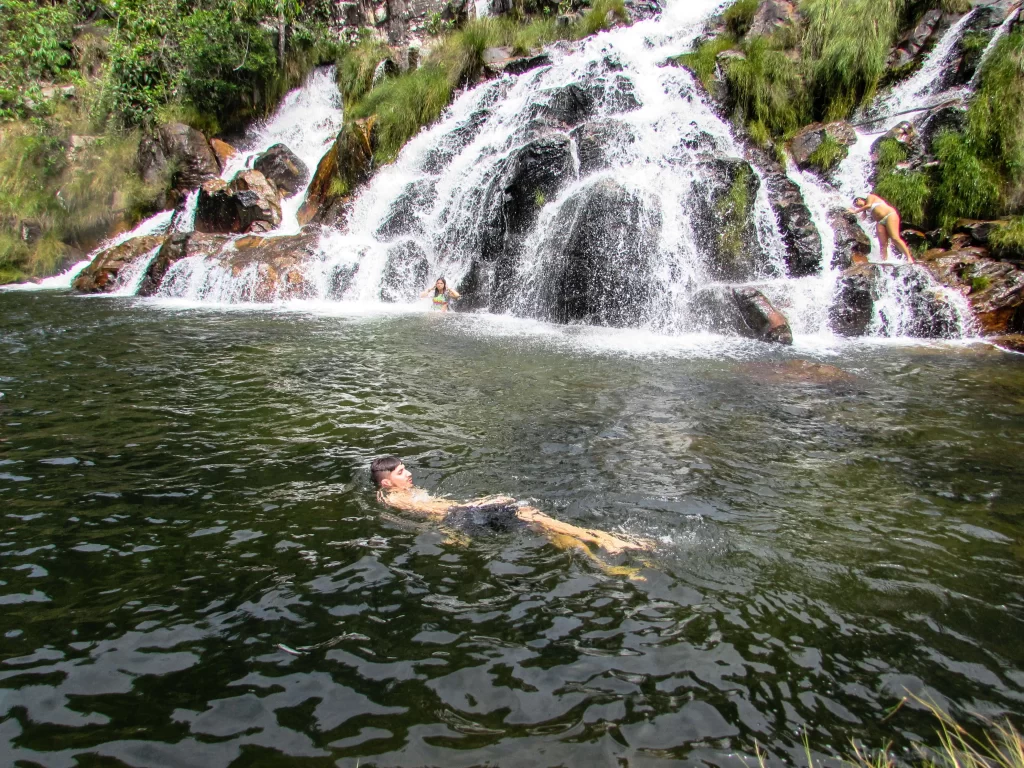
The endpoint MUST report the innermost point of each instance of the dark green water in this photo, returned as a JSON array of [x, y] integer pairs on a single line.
[[185, 490]]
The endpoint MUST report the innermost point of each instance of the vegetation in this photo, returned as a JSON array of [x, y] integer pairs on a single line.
[[401, 105], [767, 90], [828, 154], [81, 80], [1009, 240], [732, 210]]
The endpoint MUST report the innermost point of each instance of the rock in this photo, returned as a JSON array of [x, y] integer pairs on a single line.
[[190, 153], [530, 175], [345, 167], [904, 133], [930, 313], [569, 105], [808, 139], [962, 65], [223, 152], [601, 245], [771, 16], [502, 61], [249, 203], [455, 141], [761, 320], [283, 167], [101, 275], [1011, 342], [30, 230], [178, 246], [911, 44], [270, 269], [852, 245], [948, 118], [721, 208], [403, 218], [598, 141], [802, 239], [79, 143], [405, 272], [979, 231], [854, 306], [476, 287], [995, 289], [914, 238]]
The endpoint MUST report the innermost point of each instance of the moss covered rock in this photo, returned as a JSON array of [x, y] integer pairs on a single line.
[[101, 275]]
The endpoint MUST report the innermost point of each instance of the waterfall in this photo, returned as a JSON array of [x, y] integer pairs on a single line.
[[307, 122], [130, 278], [154, 225]]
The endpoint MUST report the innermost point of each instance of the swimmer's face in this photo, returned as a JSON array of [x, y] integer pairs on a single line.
[[440, 285], [400, 479]]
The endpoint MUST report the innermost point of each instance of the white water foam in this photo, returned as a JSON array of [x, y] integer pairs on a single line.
[[130, 278]]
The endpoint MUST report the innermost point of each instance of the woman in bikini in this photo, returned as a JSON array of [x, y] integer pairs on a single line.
[[442, 295], [887, 223]]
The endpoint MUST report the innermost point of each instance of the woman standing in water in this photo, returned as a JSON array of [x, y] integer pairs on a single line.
[[887, 223], [442, 295]]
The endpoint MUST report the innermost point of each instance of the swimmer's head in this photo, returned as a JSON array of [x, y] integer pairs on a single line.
[[859, 201], [389, 473], [440, 286]]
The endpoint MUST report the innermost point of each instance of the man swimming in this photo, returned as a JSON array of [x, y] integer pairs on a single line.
[[499, 513]]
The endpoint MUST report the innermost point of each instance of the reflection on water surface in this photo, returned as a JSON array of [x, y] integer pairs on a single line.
[[194, 571]]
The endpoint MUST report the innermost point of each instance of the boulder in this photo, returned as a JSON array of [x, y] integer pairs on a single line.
[[771, 16], [248, 203], [721, 209], [405, 272], [501, 60], [962, 65], [801, 236], [101, 275], [979, 231], [853, 307], [852, 245], [904, 133], [270, 268], [949, 118], [761, 320], [476, 288], [599, 141], [343, 169], [223, 152], [995, 289], [183, 148], [916, 39], [600, 253], [178, 246], [808, 139], [529, 176], [385, 68], [569, 105], [403, 218], [455, 141], [283, 167]]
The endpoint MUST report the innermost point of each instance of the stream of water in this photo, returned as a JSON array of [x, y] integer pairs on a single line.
[[194, 569]]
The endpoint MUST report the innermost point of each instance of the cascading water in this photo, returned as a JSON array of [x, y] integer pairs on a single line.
[[307, 121]]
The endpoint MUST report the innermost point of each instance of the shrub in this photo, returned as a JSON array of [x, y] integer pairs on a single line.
[[967, 185], [703, 61], [766, 88], [846, 47], [739, 15], [828, 154], [1009, 240], [356, 67], [890, 154], [596, 19], [908, 192]]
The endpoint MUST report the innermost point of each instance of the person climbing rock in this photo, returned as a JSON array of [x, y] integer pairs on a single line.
[[887, 223], [491, 513], [442, 295]]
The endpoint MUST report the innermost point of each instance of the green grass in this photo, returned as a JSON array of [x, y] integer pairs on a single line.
[[703, 62], [846, 46], [995, 119], [968, 185], [1009, 240], [732, 215], [890, 154], [909, 192], [828, 154], [767, 91], [739, 16]]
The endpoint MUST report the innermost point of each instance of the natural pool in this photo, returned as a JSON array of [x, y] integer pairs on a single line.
[[184, 492]]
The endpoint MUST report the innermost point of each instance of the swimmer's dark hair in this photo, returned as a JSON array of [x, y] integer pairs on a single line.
[[383, 466]]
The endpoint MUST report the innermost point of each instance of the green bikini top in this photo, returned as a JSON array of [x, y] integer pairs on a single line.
[[441, 298]]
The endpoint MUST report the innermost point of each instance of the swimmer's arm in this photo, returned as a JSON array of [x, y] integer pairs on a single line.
[[454, 294], [860, 209], [425, 293], [432, 507]]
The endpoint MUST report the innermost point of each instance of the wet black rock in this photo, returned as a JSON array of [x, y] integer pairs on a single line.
[[949, 118], [249, 203], [403, 218], [455, 141], [761, 320], [803, 242], [405, 272], [808, 139], [284, 168], [851, 243], [602, 248], [527, 178], [722, 207], [569, 105], [917, 38], [854, 305], [598, 141], [477, 286], [180, 148], [178, 246]]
